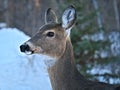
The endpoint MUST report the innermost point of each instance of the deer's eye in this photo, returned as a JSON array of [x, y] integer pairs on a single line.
[[50, 34]]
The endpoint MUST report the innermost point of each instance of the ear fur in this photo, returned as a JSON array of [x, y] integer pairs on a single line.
[[69, 18], [50, 16]]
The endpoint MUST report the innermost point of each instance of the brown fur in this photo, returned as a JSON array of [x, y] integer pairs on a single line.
[[65, 76]]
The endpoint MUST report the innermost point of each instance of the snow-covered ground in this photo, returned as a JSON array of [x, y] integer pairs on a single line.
[[17, 70]]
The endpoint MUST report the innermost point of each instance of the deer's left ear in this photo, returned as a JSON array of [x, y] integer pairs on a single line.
[[69, 18], [50, 16]]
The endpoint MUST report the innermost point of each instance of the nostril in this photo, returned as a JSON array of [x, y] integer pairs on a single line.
[[27, 48], [24, 48]]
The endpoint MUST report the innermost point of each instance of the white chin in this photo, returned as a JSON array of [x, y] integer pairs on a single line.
[[28, 52]]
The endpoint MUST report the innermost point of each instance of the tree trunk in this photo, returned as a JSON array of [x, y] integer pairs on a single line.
[[116, 14]]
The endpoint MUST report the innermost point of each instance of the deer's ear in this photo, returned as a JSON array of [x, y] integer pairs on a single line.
[[50, 16], [69, 18]]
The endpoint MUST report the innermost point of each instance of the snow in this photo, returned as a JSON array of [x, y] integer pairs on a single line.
[[3, 25], [98, 70], [17, 70], [103, 70], [114, 38], [99, 36]]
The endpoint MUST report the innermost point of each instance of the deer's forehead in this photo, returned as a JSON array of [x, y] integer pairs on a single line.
[[51, 27]]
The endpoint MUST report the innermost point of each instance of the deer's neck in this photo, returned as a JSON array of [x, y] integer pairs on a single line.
[[64, 72]]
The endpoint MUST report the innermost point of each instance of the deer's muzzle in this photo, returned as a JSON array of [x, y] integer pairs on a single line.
[[25, 48]]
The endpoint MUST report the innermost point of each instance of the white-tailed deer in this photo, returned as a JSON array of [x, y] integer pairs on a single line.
[[53, 40]]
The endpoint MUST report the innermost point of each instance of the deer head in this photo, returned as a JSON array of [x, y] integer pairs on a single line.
[[51, 38]]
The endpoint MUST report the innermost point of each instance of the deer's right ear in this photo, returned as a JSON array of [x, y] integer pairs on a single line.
[[50, 16]]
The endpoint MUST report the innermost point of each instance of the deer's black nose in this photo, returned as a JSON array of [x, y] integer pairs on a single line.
[[24, 48]]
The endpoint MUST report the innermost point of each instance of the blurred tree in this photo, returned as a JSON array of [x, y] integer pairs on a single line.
[[27, 15]]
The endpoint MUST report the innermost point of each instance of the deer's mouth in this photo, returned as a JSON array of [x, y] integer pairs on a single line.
[[28, 53]]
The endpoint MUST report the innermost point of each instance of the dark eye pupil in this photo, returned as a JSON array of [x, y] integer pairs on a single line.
[[50, 34]]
